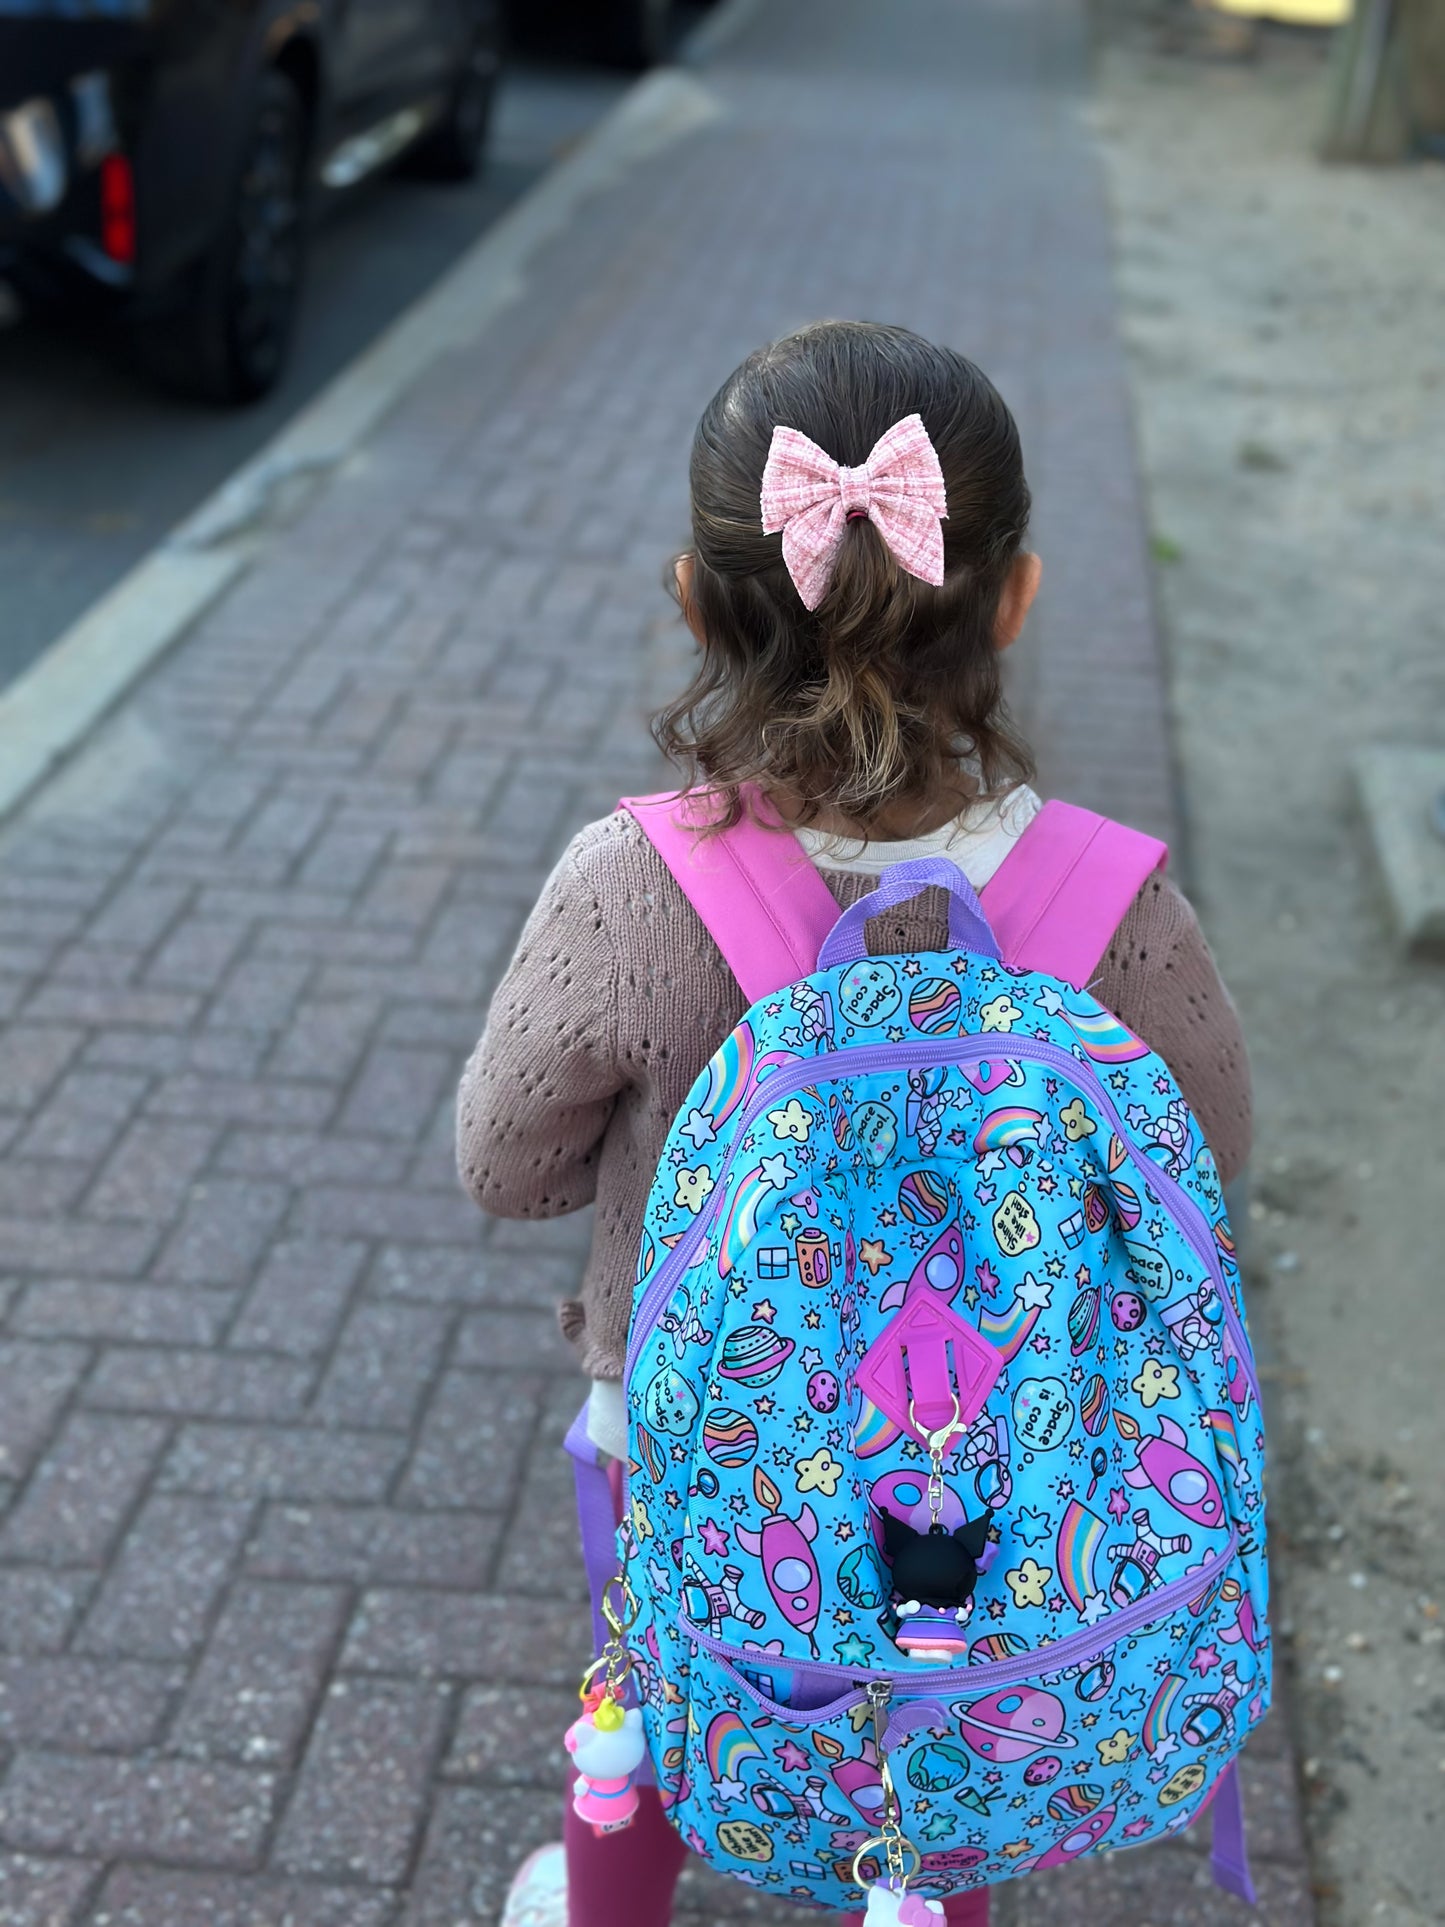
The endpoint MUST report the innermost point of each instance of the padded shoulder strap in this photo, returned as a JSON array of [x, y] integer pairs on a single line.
[[1064, 889], [1053, 904], [764, 905]]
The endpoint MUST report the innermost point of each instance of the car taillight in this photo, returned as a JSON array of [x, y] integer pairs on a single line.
[[117, 208]]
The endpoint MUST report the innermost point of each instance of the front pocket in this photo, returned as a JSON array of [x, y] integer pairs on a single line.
[[1001, 1767]]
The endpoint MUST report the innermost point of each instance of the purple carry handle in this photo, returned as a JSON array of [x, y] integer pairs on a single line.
[[968, 927]]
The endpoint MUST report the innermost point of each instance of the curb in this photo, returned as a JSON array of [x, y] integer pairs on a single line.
[[48, 711]]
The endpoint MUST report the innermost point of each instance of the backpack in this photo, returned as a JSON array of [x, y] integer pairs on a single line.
[[943, 1528]]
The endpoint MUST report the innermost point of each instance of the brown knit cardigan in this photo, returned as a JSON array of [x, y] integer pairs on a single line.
[[617, 997]]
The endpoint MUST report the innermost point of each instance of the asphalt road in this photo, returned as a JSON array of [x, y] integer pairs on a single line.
[[95, 466]]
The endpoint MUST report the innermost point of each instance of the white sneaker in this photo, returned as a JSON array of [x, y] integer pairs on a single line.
[[537, 1896]]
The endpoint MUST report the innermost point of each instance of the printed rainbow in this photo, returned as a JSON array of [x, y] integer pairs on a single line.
[[1156, 1721], [741, 1228], [873, 1431], [1080, 1536], [1010, 1124], [1008, 1330], [728, 1745], [1103, 1037], [1226, 1439], [729, 1072]]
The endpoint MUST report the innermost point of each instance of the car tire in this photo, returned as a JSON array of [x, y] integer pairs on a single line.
[[225, 333], [632, 34], [456, 147]]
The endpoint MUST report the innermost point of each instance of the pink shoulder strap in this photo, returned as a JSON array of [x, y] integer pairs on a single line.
[[1053, 904], [1065, 887], [764, 905]]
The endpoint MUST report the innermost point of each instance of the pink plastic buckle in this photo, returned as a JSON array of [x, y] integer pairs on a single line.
[[928, 1367]]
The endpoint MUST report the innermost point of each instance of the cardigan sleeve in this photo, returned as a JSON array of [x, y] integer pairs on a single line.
[[539, 1090], [1158, 977]]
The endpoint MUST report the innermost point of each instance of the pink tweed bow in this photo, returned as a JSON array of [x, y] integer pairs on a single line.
[[810, 497]]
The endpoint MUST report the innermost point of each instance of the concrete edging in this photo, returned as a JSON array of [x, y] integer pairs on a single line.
[[49, 710]]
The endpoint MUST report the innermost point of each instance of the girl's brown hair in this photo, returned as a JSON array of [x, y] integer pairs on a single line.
[[870, 701]]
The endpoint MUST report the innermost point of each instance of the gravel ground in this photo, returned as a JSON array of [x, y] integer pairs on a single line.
[[1284, 327]]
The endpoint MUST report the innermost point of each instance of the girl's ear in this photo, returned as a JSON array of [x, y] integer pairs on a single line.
[[1017, 597], [682, 576]]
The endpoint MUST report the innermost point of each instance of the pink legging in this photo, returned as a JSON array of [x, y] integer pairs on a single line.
[[626, 1879]]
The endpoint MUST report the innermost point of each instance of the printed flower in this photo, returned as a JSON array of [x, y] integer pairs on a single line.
[[693, 1187], [1027, 1583], [1076, 1121], [791, 1121], [1001, 1015], [820, 1473], [1156, 1381]]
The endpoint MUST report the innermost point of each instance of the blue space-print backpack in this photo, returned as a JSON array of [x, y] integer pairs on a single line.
[[943, 1515]]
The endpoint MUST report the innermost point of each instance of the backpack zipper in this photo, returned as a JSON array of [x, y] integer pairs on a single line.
[[861, 1062], [1044, 1662]]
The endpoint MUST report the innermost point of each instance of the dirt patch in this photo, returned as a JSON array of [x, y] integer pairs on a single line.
[[1286, 328]]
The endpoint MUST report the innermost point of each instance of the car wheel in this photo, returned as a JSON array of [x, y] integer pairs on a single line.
[[633, 33], [456, 146], [226, 333]]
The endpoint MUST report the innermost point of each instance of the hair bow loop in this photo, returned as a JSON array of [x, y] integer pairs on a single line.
[[809, 497]]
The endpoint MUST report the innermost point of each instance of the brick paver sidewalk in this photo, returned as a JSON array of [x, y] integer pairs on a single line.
[[289, 1606]]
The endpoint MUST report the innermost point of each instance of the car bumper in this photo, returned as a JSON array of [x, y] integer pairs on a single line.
[[66, 189]]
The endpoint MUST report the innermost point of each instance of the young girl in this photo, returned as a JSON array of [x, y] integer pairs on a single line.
[[849, 669]]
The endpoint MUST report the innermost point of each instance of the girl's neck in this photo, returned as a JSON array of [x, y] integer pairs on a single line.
[[900, 822]]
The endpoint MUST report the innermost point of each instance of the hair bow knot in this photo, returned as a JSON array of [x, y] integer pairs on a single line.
[[810, 497]]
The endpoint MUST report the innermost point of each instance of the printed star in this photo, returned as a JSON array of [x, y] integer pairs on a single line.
[[776, 1171], [842, 1616], [714, 1539], [730, 1789], [888, 1218], [894, 1033], [1054, 1267], [1033, 1291], [1163, 1747], [790, 1222], [1161, 1084], [986, 1193], [813, 1319], [1076, 1187], [1015, 1849], [1128, 1703], [1065, 1488], [1136, 1117], [1136, 1827], [1205, 1660], [970, 1296], [1057, 1602], [987, 1277], [1048, 1184], [1094, 1608], [843, 1531], [1033, 1528], [1115, 1750], [1041, 1343], [874, 1254], [811, 1359], [791, 1757], [765, 1311], [855, 1650], [765, 1406], [990, 1164], [697, 1126], [1081, 1276]]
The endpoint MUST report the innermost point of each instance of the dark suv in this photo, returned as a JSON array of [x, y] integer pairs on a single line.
[[167, 153]]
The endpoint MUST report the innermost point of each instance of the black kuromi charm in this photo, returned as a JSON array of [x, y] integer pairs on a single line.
[[934, 1574]]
